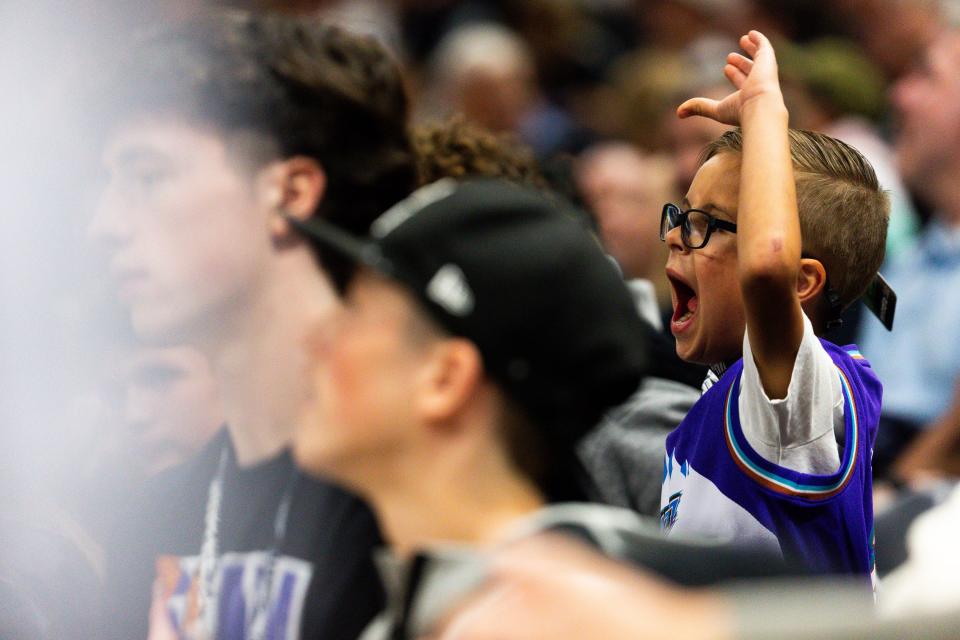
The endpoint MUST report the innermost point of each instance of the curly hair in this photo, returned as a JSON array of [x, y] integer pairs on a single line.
[[456, 148]]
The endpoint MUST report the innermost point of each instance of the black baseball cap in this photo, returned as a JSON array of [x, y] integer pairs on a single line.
[[519, 275]]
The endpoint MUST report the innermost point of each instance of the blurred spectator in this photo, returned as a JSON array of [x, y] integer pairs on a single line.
[[487, 72], [152, 409], [425, 24], [688, 137], [643, 87], [679, 23], [834, 89], [894, 33], [919, 362], [376, 18], [171, 407], [648, 84], [625, 189]]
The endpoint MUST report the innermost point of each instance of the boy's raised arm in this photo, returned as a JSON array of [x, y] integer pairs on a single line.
[[768, 226]]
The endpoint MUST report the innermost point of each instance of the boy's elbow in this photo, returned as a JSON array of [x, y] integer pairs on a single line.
[[768, 273]]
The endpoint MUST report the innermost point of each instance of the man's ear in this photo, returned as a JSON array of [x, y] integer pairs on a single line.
[[292, 187], [451, 377], [811, 280]]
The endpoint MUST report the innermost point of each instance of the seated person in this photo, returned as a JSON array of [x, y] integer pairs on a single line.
[[484, 331]]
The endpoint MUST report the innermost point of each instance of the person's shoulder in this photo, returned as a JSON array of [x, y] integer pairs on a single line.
[[628, 537], [721, 379], [601, 526], [846, 357], [858, 379]]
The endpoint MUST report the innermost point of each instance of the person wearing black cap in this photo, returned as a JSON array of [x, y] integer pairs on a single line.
[[484, 332]]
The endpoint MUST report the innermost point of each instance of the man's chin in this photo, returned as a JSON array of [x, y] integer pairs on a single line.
[[305, 458], [913, 170], [165, 327], [314, 457]]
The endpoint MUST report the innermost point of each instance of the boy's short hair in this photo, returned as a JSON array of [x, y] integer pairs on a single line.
[[310, 88], [843, 211]]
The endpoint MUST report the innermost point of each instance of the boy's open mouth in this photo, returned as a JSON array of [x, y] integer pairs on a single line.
[[685, 303]]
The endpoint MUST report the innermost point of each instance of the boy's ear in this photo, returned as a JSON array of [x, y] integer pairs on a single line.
[[292, 187], [811, 280], [451, 377]]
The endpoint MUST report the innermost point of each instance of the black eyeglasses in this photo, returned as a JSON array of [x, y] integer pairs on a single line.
[[695, 225]]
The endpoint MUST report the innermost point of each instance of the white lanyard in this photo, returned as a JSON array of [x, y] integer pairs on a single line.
[[257, 614]]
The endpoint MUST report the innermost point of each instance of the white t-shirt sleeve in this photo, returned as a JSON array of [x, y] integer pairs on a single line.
[[796, 432]]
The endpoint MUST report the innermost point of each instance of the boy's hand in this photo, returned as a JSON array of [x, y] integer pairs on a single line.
[[753, 79], [768, 225]]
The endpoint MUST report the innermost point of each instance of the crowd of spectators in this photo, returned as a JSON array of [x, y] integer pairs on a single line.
[[583, 93]]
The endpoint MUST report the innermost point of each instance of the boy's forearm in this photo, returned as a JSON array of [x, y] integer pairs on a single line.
[[769, 242], [768, 227]]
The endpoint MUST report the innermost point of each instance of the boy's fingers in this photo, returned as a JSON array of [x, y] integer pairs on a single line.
[[698, 107], [735, 76], [748, 45], [758, 38], [759, 42], [742, 63]]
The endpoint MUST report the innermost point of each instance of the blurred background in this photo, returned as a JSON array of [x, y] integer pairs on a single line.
[[589, 85]]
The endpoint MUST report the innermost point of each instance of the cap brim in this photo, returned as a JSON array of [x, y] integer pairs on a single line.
[[329, 237]]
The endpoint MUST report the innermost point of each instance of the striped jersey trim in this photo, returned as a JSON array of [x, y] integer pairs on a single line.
[[786, 486]]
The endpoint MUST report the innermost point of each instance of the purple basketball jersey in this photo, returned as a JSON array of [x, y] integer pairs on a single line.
[[715, 484]]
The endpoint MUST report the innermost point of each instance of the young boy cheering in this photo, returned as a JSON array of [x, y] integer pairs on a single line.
[[779, 231]]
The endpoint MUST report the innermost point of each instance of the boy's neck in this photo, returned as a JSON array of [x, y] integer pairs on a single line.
[[476, 503], [259, 358], [719, 368]]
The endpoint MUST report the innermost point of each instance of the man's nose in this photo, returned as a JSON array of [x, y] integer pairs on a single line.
[[138, 409], [110, 224], [904, 92]]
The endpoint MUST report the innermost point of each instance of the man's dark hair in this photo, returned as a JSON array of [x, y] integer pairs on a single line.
[[311, 88]]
